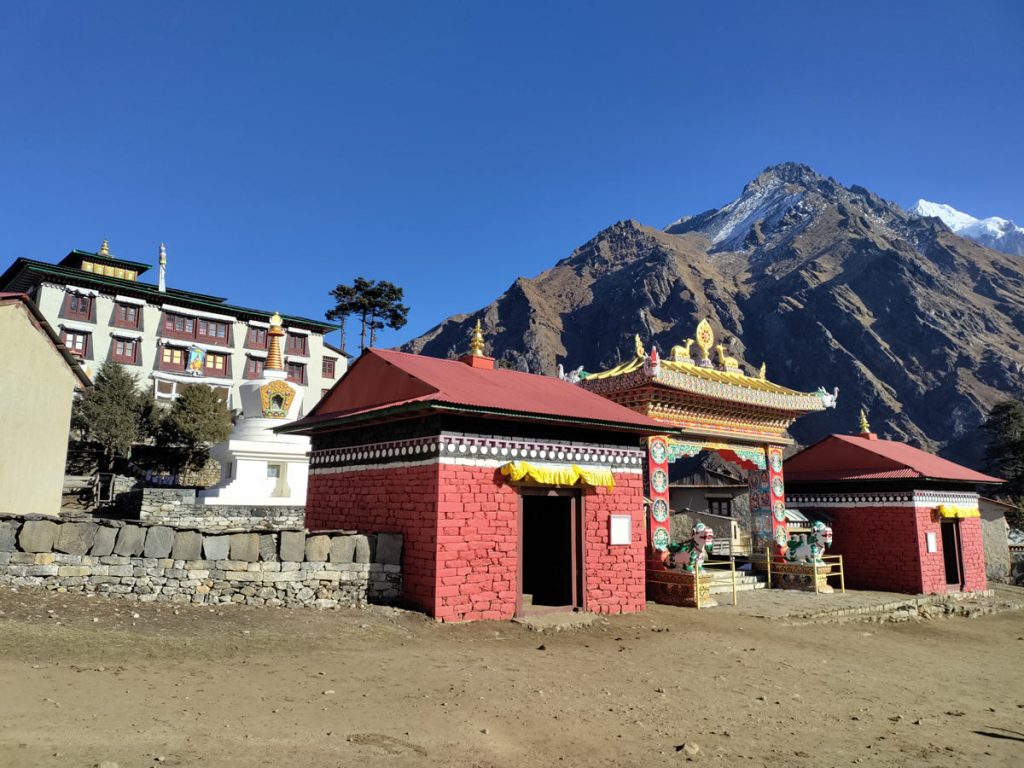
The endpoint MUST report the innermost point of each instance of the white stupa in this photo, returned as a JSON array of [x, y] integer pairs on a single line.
[[259, 467]]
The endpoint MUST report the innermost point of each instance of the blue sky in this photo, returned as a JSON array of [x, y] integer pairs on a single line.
[[281, 148]]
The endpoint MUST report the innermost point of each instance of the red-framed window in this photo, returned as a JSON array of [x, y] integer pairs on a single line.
[[173, 358], [297, 344], [127, 315], [78, 306], [124, 351], [212, 330], [254, 367], [216, 365], [296, 372], [256, 338], [179, 326], [77, 342], [328, 367]]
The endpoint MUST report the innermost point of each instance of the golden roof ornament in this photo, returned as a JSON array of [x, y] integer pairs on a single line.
[[104, 248], [476, 341], [275, 361], [705, 338], [865, 428], [639, 347], [763, 373]]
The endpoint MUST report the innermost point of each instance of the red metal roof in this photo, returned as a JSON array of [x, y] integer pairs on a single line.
[[382, 379], [853, 457]]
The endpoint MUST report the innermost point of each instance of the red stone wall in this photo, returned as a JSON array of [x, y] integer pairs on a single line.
[[460, 532], [396, 499], [477, 557], [885, 548], [933, 569], [615, 576], [879, 547]]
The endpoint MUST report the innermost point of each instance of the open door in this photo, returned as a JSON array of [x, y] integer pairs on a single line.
[[951, 554], [550, 552]]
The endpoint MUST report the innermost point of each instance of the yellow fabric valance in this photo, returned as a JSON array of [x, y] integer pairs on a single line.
[[948, 510], [558, 475]]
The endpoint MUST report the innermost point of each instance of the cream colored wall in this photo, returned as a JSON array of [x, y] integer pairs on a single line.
[[36, 390]]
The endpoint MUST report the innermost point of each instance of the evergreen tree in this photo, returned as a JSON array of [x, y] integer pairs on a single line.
[[196, 420], [378, 304], [1005, 452], [114, 413]]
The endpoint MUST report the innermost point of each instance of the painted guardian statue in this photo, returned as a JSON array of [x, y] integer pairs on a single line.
[[812, 549], [697, 549]]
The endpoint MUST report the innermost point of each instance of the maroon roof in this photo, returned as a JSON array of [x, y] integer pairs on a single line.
[[853, 457], [382, 381]]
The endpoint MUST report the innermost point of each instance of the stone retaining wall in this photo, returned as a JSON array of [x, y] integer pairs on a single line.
[[158, 563], [178, 508]]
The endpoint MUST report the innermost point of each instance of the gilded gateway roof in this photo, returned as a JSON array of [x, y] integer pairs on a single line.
[[699, 375]]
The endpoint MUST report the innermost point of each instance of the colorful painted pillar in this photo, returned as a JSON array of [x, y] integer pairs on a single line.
[[768, 504], [658, 522]]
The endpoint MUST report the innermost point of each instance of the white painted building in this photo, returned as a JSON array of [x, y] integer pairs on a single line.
[[169, 338]]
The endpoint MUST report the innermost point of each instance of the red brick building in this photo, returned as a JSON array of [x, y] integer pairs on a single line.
[[513, 492], [903, 519]]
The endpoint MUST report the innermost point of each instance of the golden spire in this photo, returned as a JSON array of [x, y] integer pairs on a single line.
[[865, 428], [639, 347], [104, 248], [476, 341], [274, 360], [762, 374]]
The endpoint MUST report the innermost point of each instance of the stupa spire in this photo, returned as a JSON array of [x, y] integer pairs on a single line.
[[865, 428], [104, 248], [476, 341], [275, 362]]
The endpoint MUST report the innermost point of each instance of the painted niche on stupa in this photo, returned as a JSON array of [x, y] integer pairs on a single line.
[[275, 399]]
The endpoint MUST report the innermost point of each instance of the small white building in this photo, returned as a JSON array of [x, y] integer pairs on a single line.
[[258, 466], [167, 337]]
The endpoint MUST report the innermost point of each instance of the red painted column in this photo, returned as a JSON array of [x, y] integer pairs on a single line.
[[658, 521], [768, 504]]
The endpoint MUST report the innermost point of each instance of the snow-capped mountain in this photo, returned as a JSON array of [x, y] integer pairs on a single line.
[[993, 232]]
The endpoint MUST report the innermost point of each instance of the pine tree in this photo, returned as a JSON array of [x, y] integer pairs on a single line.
[[1005, 452], [197, 419], [114, 413], [378, 304]]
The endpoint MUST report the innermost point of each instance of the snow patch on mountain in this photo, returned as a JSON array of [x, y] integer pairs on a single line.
[[993, 232]]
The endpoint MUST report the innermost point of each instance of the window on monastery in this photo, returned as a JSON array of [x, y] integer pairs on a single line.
[[254, 367], [297, 345], [127, 315], [125, 351], [720, 507], [179, 325], [328, 367], [257, 338], [296, 372], [213, 330], [76, 342], [78, 306], [172, 358], [216, 365]]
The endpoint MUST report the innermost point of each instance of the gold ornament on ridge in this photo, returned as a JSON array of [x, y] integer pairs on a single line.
[[476, 341]]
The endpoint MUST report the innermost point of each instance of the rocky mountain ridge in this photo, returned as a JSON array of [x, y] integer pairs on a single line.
[[827, 284]]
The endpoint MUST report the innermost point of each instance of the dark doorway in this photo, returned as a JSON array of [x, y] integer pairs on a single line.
[[951, 552], [550, 558]]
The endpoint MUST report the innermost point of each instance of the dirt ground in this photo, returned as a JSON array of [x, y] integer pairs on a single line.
[[86, 680]]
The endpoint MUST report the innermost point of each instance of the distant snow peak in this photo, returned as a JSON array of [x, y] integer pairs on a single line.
[[993, 232]]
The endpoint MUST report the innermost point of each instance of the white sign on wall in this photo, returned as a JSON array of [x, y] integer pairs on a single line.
[[621, 529], [929, 540]]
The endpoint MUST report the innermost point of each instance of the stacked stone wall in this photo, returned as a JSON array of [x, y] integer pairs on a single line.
[[178, 508], [158, 563]]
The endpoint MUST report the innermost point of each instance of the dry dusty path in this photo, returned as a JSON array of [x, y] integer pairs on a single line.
[[85, 680]]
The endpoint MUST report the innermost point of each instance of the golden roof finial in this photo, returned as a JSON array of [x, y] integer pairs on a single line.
[[104, 248], [705, 338], [275, 362], [762, 374], [865, 428], [476, 341], [639, 347]]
